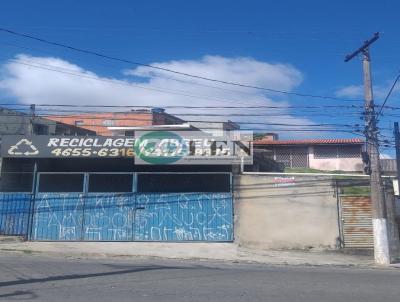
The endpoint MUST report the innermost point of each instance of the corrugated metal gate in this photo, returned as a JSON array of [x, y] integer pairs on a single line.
[[133, 217], [356, 221]]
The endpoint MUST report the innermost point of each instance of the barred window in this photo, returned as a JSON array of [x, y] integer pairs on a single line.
[[292, 157], [325, 152], [337, 152], [349, 151]]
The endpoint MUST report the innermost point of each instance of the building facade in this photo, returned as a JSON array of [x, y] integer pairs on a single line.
[[103, 123], [13, 122], [92, 189], [320, 154]]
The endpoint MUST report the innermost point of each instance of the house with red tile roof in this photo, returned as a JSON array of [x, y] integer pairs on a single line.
[[321, 154]]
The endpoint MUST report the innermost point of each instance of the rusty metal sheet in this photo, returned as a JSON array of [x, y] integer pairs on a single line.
[[357, 222]]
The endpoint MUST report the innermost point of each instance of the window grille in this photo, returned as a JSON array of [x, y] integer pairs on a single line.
[[292, 157], [321, 152], [349, 151]]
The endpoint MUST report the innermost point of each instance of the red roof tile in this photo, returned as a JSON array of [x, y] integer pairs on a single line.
[[351, 141]]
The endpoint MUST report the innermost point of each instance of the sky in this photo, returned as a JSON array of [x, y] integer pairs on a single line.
[[294, 46]]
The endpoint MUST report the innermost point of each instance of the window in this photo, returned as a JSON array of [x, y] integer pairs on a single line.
[[16, 176], [174, 183], [110, 182], [39, 129], [322, 152], [349, 151], [61, 182], [292, 157], [340, 151]]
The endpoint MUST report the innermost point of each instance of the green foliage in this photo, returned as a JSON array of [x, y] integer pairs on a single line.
[[364, 191], [304, 170]]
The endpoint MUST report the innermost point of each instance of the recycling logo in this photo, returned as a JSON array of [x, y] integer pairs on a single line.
[[23, 147]]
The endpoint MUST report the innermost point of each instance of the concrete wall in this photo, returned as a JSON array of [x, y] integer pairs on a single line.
[[12, 122], [330, 164], [285, 212]]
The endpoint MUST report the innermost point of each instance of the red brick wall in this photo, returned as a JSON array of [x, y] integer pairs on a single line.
[[100, 121]]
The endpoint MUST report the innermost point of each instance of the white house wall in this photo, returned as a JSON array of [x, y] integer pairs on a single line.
[[330, 164]]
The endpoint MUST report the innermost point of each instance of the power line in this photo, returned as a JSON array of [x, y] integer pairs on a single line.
[[187, 107], [94, 114], [59, 118], [123, 83], [157, 89], [163, 76], [388, 95], [116, 118], [180, 116], [90, 52], [325, 126], [119, 82]]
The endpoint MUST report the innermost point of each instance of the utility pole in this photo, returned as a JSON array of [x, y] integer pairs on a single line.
[[31, 120], [397, 143], [379, 214]]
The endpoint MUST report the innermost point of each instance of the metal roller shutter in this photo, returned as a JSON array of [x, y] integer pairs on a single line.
[[357, 222]]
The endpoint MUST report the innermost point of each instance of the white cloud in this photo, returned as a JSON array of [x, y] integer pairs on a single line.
[[351, 91], [357, 91], [240, 70], [143, 86]]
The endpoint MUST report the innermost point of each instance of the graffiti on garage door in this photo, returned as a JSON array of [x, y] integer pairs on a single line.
[[133, 217]]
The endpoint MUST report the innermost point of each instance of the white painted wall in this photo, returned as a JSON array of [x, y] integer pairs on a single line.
[[285, 212]]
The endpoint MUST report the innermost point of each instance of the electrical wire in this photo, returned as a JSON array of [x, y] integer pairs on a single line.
[[90, 52], [186, 106], [162, 76], [388, 95]]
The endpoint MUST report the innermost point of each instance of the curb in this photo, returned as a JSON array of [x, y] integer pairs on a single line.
[[242, 256]]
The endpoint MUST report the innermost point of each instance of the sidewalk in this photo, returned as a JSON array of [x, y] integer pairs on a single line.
[[209, 251]]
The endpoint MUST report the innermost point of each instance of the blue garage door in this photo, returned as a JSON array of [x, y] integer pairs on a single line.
[[133, 217], [109, 217], [128, 216], [183, 217], [58, 216], [14, 213]]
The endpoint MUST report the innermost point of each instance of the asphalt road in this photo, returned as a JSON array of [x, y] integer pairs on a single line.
[[44, 278]]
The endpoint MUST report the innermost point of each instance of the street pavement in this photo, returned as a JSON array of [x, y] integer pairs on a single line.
[[35, 277]]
